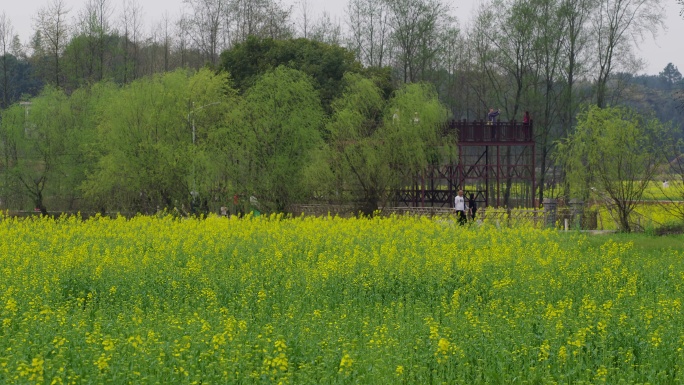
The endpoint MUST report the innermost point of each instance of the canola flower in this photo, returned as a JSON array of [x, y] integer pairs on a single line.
[[272, 300]]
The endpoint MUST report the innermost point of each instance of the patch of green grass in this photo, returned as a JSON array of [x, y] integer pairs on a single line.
[[652, 244]]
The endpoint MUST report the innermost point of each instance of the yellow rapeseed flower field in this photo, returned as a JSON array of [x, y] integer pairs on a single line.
[[271, 300]]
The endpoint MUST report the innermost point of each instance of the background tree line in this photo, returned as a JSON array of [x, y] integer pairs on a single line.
[[510, 52], [190, 140], [548, 57]]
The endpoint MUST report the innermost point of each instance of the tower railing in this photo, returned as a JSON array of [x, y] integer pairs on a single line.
[[480, 132]]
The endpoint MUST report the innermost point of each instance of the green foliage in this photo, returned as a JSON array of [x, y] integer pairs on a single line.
[[356, 155], [378, 145], [415, 134], [272, 135], [88, 59], [44, 147], [179, 140], [146, 158], [670, 74], [614, 153], [20, 80], [326, 64]]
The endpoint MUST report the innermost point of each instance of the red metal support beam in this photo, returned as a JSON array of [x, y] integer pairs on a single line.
[[476, 171]]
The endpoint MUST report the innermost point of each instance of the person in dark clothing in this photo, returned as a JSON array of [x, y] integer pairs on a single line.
[[472, 206], [492, 115], [491, 121]]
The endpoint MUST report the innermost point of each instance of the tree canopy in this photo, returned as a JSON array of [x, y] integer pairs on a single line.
[[275, 130], [326, 64], [376, 144], [151, 136], [612, 156]]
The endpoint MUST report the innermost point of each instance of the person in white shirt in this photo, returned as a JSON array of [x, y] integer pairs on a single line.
[[460, 207]]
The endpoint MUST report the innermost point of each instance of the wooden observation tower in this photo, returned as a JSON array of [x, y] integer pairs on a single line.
[[495, 161]]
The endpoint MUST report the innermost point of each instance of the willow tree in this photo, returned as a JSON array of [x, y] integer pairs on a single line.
[[613, 155], [152, 142], [378, 145], [271, 137], [41, 146], [358, 170]]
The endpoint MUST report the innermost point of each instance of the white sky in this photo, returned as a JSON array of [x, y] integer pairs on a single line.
[[666, 48]]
